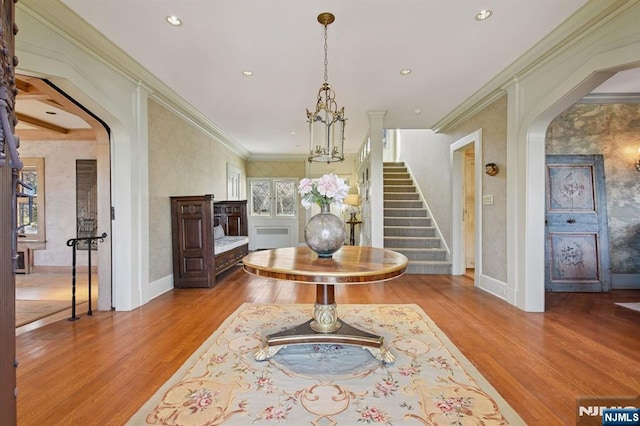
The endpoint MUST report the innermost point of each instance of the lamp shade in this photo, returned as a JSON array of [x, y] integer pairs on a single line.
[[352, 200]]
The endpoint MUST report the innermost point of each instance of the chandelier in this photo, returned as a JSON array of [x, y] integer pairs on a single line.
[[326, 123]]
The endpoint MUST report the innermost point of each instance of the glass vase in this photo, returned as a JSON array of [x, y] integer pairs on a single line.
[[325, 232]]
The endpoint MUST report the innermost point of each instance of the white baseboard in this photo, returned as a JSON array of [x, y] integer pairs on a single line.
[[157, 288], [497, 288], [625, 281]]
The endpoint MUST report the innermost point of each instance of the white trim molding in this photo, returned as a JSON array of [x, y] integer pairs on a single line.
[[457, 199]]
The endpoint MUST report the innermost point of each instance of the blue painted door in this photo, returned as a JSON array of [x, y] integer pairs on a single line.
[[577, 236]]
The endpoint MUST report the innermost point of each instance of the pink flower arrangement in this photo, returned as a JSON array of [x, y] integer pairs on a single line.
[[329, 189]]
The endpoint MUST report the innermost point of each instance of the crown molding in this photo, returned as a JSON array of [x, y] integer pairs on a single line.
[[582, 23], [610, 98], [293, 157], [59, 18], [278, 157]]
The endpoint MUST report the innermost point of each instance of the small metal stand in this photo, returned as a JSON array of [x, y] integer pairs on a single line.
[[73, 243], [352, 232]]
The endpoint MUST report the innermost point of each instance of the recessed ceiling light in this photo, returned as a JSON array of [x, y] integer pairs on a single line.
[[483, 14], [292, 133], [174, 20], [405, 71], [247, 73], [417, 111]]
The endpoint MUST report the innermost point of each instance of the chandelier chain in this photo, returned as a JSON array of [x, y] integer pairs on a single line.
[[326, 61]]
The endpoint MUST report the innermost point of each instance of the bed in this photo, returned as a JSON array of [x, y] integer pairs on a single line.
[[208, 238]]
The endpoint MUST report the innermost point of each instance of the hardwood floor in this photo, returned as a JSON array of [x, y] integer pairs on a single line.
[[101, 369], [54, 286]]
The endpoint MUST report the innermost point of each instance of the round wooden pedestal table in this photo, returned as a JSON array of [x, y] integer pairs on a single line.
[[349, 265]]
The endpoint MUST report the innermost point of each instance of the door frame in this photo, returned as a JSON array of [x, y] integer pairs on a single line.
[[458, 264]]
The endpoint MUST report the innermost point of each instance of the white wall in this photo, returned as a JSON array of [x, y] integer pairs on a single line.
[[534, 100], [46, 52], [56, 44], [427, 155]]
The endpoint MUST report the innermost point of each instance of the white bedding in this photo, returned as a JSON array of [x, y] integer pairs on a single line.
[[228, 242]]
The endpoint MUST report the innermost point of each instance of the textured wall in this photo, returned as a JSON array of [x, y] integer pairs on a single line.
[[182, 161], [427, 155], [298, 169], [289, 169], [613, 131], [60, 204]]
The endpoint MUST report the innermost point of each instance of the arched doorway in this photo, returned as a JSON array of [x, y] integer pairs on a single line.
[[529, 118], [70, 145]]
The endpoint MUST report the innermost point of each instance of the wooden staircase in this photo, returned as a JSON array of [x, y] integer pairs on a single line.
[[408, 229]]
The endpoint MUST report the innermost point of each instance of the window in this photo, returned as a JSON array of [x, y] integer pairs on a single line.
[[273, 197], [30, 203]]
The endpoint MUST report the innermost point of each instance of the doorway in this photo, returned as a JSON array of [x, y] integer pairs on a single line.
[[468, 215], [466, 156], [60, 133]]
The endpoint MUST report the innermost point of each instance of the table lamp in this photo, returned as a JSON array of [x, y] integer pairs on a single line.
[[352, 203]]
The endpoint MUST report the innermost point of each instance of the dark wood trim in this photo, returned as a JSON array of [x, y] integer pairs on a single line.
[[8, 29]]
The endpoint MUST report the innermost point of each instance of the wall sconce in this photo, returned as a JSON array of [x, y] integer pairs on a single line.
[[638, 161], [491, 169]]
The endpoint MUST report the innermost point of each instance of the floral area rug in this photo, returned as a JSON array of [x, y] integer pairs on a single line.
[[429, 383], [634, 306]]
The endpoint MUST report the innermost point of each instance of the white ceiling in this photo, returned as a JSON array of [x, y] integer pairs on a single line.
[[451, 54], [48, 113], [623, 82]]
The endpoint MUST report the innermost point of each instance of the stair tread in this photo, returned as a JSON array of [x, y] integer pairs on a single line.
[[405, 237], [406, 217], [422, 218], [401, 249], [412, 227]]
